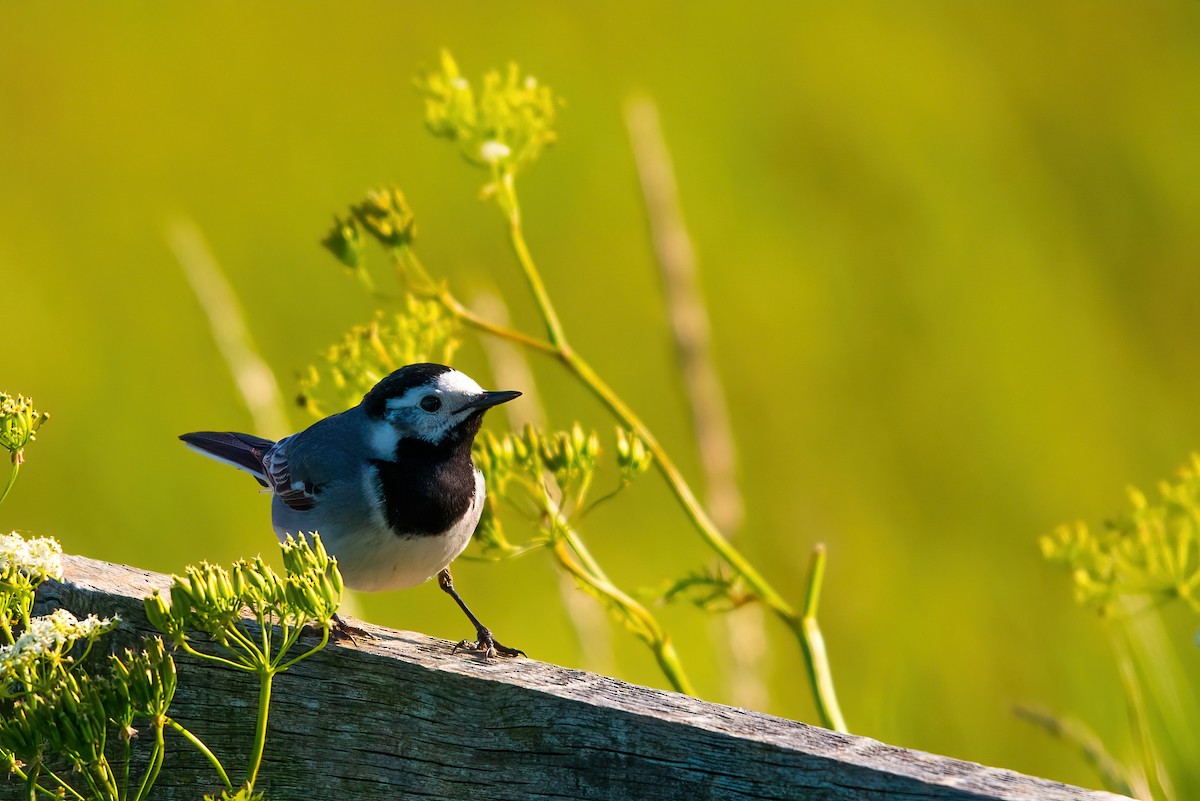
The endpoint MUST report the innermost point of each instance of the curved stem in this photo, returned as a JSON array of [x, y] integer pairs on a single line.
[[324, 641], [650, 631], [516, 236], [242, 639], [813, 643], [805, 629], [679, 486], [12, 479], [218, 659], [6, 603], [424, 286], [469, 317], [66, 787], [199, 745], [260, 730]]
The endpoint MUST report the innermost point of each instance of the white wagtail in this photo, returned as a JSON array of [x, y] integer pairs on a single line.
[[389, 484]]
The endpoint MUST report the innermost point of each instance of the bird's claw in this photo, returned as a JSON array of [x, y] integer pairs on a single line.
[[341, 631], [486, 646]]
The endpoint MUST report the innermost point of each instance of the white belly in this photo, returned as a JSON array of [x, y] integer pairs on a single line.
[[373, 558]]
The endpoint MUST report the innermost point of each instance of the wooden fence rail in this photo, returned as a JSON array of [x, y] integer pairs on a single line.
[[400, 717]]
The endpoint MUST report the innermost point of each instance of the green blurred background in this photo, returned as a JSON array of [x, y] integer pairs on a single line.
[[951, 250]]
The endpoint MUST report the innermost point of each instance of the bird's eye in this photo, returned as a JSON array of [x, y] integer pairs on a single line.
[[431, 403]]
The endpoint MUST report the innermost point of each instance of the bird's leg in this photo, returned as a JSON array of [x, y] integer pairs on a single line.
[[341, 631], [485, 642]]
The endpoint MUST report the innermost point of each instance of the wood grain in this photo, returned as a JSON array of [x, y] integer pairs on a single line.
[[401, 717]]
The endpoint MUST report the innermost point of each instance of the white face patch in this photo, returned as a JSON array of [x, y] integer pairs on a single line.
[[414, 414], [382, 440]]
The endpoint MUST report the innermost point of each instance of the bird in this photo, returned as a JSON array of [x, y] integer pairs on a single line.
[[389, 484]]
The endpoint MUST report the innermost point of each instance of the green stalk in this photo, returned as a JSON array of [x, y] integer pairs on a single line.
[[619, 409], [12, 479], [265, 675], [813, 642], [220, 660], [6, 600], [199, 745], [651, 632], [807, 629], [509, 203], [126, 753], [324, 641], [156, 761], [66, 787]]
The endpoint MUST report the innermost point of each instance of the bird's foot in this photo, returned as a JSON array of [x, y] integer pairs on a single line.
[[341, 631], [486, 645]]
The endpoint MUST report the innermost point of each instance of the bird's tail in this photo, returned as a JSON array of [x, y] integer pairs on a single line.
[[243, 451]]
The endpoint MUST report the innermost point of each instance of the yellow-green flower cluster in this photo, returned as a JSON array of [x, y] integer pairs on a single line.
[[502, 127], [72, 713], [422, 332], [211, 598], [1153, 551], [386, 216], [144, 682], [345, 241], [633, 458], [19, 423], [569, 456]]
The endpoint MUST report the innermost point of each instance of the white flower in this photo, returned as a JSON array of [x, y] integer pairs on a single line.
[[50, 634], [492, 151], [38, 558]]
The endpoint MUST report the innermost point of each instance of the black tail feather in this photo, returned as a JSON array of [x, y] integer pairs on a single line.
[[243, 451]]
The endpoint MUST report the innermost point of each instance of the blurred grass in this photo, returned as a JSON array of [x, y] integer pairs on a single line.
[[951, 250]]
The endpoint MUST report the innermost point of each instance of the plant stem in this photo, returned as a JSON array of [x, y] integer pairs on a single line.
[[156, 761], [324, 641], [807, 631], [199, 745], [516, 236], [469, 317], [813, 643], [12, 479], [591, 379], [1153, 772], [66, 787], [126, 749], [678, 484], [645, 625], [220, 660], [265, 676], [6, 600]]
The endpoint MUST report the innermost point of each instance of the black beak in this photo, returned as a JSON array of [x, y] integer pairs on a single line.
[[489, 399]]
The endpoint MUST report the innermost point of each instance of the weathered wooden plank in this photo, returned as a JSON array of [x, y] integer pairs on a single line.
[[401, 717]]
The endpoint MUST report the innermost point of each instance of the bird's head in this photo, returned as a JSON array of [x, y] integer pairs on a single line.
[[431, 402]]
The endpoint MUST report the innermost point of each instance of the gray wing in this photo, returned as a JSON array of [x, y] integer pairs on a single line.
[[300, 468]]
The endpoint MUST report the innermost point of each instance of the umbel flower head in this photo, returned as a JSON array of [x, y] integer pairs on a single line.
[[49, 638], [36, 559], [19, 423], [1150, 552], [420, 332], [502, 127]]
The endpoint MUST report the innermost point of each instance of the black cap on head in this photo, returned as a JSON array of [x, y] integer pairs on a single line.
[[399, 382]]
